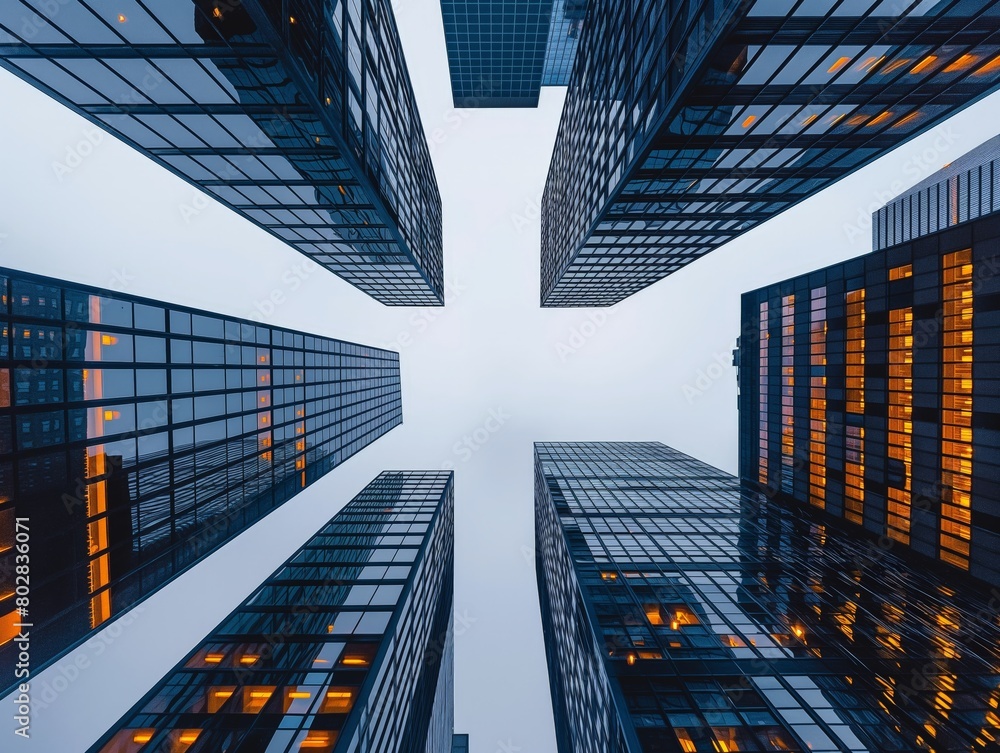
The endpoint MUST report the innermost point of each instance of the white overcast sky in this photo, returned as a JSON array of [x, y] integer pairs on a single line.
[[655, 367]]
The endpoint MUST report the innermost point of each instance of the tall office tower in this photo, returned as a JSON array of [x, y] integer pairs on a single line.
[[688, 123], [869, 389], [680, 614], [346, 647], [297, 116], [500, 54], [136, 437]]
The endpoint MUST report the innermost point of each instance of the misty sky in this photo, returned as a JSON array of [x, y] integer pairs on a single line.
[[482, 379]]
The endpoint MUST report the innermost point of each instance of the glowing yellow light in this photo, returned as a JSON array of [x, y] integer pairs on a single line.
[[809, 121], [213, 658], [249, 658], [924, 64], [316, 740], [121, 18], [880, 118], [291, 20], [142, 736], [111, 415], [342, 191], [990, 67], [299, 694], [966, 61], [355, 661], [188, 736], [108, 339], [841, 62], [895, 65], [217, 12], [749, 121], [630, 659]]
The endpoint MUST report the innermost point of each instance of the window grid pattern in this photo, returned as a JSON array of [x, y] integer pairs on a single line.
[[497, 50], [900, 489], [338, 651], [854, 456], [787, 391], [817, 399], [139, 436], [763, 386], [689, 123], [902, 437], [303, 120], [957, 430], [763, 644], [970, 190]]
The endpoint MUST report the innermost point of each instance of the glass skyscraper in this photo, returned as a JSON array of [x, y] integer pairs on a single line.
[[136, 437], [681, 613], [500, 54], [688, 123], [870, 389], [346, 647], [298, 115]]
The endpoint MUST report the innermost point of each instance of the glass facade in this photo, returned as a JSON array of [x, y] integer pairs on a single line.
[[689, 122], [905, 438], [298, 115], [683, 613], [966, 189], [136, 437], [500, 54], [345, 648]]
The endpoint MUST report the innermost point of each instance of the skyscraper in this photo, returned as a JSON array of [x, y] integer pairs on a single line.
[[345, 647], [688, 123], [500, 54], [869, 389], [302, 119], [683, 614], [136, 437]]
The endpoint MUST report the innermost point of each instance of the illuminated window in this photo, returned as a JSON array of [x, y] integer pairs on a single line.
[[787, 392], [339, 700], [854, 466], [255, 697], [817, 399], [763, 377], [653, 614], [956, 416], [217, 697], [900, 436]]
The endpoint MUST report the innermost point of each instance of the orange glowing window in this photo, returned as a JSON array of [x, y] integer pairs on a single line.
[[609, 576], [249, 659], [990, 67], [840, 63], [255, 697], [963, 63], [907, 119], [684, 738], [217, 697], [748, 121], [108, 340], [183, 739], [214, 658], [899, 273], [338, 700], [316, 740], [142, 736], [924, 64], [881, 118], [895, 65], [653, 614], [355, 660]]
